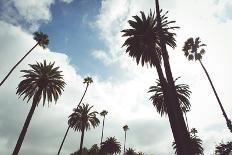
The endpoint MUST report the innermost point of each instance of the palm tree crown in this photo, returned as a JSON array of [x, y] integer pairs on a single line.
[[223, 148], [125, 128], [82, 118], [111, 146], [191, 49], [41, 38], [130, 151], [88, 80], [43, 80], [143, 43], [104, 113], [183, 94]]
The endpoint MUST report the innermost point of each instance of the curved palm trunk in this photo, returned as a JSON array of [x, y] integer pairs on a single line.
[[180, 133], [61, 145], [228, 122], [103, 128], [63, 140], [26, 124], [18, 64], [124, 148], [82, 139]]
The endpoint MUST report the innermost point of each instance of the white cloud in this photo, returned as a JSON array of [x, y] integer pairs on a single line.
[[66, 1]]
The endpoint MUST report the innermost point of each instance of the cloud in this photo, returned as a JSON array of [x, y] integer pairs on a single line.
[[67, 1], [29, 12]]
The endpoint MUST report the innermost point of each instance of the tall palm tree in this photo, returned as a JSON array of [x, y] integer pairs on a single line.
[[125, 128], [183, 93], [196, 143], [42, 40], [41, 81], [130, 151], [223, 148], [82, 119], [193, 50], [111, 146], [87, 81], [145, 44], [103, 113]]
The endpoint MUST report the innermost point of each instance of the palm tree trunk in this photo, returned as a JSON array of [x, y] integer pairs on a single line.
[[26, 123], [228, 122], [83, 94], [124, 148], [63, 140], [102, 128], [183, 145], [186, 121], [18, 63], [82, 139]]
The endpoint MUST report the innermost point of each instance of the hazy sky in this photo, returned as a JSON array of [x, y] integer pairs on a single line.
[[85, 40]]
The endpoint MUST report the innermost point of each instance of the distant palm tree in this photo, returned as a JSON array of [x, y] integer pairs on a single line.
[[42, 40], [224, 148], [147, 46], [196, 143], [94, 150], [193, 50], [111, 146], [87, 81], [130, 151], [183, 94], [103, 113], [42, 81], [125, 128], [82, 119]]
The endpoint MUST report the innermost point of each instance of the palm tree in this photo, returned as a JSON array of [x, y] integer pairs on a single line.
[[42, 40], [183, 93], [82, 119], [125, 128], [87, 81], [196, 143], [103, 113], [146, 44], [223, 148], [111, 146], [94, 150], [130, 151], [193, 50], [42, 81]]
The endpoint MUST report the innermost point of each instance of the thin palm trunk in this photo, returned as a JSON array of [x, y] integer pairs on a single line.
[[18, 64], [124, 148], [186, 121], [26, 123], [61, 145], [103, 128], [215, 93], [182, 137], [63, 140], [82, 139]]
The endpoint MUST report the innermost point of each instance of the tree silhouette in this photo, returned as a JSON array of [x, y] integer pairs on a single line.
[[111, 146], [87, 81], [42, 81], [183, 93], [82, 119], [125, 128], [103, 113], [193, 50], [146, 43], [85, 151], [94, 150], [223, 148], [130, 151], [42, 40], [196, 143]]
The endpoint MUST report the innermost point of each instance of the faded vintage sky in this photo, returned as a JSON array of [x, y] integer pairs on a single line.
[[85, 40]]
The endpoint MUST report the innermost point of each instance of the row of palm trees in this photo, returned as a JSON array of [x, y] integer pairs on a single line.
[[146, 42]]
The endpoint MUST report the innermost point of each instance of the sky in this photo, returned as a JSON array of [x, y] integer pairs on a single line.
[[85, 40]]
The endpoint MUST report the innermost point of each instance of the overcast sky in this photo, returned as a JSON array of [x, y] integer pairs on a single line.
[[85, 40]]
